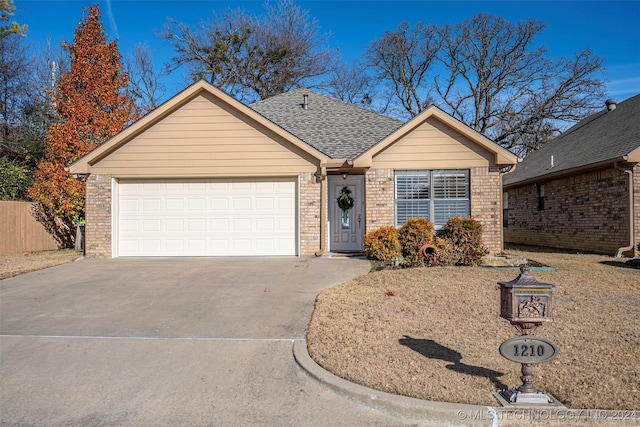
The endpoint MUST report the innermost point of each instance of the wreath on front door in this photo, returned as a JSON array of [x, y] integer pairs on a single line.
[[345, 201]]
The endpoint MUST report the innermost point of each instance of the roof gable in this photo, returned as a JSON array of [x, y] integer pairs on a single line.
[[501, 156], [601, 138], [83, 165], [336, 128]]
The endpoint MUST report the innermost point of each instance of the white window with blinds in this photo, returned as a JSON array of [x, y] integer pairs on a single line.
[[436, 195]]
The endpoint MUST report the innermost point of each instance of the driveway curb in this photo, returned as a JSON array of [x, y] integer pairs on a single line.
[[425, 412], [436, 413]]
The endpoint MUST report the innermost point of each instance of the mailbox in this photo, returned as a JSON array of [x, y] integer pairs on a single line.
[[524, 301]]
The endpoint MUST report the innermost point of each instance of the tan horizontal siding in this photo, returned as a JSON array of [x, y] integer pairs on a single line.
[[204, 147], [433, 145], [198, 156], [185, 160], [205, 138], [163, 139], [221, 171]]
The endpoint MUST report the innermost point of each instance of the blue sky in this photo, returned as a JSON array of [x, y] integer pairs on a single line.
[[610, 28]]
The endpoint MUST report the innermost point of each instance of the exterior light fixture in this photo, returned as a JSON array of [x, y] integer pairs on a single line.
[[344, 175]]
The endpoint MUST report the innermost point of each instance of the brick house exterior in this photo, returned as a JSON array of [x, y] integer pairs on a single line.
[[485, 202], [204, 161], [575, 192]]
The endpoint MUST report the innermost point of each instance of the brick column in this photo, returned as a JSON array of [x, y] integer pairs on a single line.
[[98, 216], [380, 197], [310, 206], [486, 198]]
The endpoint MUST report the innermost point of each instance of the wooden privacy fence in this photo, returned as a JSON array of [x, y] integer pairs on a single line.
[[20, 231]]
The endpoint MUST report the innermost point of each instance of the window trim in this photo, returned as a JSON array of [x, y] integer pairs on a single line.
[[431, 175]]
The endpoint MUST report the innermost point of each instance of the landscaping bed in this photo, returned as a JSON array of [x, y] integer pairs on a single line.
[[433, 333]]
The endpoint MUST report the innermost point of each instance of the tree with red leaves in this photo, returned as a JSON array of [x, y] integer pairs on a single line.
[[92, 105]]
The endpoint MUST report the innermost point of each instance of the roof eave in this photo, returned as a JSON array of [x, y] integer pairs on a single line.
[[634, 156], [566, 172]]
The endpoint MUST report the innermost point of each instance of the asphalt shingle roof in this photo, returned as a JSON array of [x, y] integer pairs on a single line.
[[336, 128], [603, 136]]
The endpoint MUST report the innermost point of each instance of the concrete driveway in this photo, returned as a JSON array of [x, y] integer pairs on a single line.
[[195, 341]]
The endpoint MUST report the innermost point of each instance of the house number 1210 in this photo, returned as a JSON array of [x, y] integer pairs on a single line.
[[528, 349]]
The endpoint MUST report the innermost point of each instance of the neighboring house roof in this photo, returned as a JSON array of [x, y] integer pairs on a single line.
[[338, 129], [602, 138]]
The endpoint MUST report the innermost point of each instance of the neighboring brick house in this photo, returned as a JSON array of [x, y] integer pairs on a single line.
[[204, 175], [582, 190]]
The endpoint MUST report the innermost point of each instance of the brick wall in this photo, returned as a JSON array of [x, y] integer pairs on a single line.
[[98, 216], [586, 212], [486, 205], [310, 205], [380, 197], [486, 195]]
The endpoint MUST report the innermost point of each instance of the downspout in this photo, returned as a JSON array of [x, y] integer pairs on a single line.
[[502, 174], [631, 216]]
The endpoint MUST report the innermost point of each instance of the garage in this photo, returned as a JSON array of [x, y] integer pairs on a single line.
[[206, 217]]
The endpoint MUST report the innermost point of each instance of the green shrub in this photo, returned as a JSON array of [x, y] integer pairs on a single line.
[[15, 179], [382, 244], [413, 235]]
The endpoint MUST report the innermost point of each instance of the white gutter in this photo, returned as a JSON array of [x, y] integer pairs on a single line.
[[631, 216]]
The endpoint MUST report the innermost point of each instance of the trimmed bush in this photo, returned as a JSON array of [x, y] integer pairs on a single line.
[[448, 253], [463, 230], [382, 244], [461, 242], [413, 235]]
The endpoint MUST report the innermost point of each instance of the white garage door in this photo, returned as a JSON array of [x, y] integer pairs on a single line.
[[212, 218]]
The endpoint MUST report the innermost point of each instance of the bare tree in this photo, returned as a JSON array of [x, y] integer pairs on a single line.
[[351, 83], [26, 111], [213, 51], [253, 57], [403, 59], [502, 86], [14, 92], [145, 84], [488, 73], [48, 63]]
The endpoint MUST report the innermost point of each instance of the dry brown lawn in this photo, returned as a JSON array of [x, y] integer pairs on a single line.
[[437, 337], [24, 262]]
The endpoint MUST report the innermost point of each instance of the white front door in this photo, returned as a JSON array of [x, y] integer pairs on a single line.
[[346, 226]]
